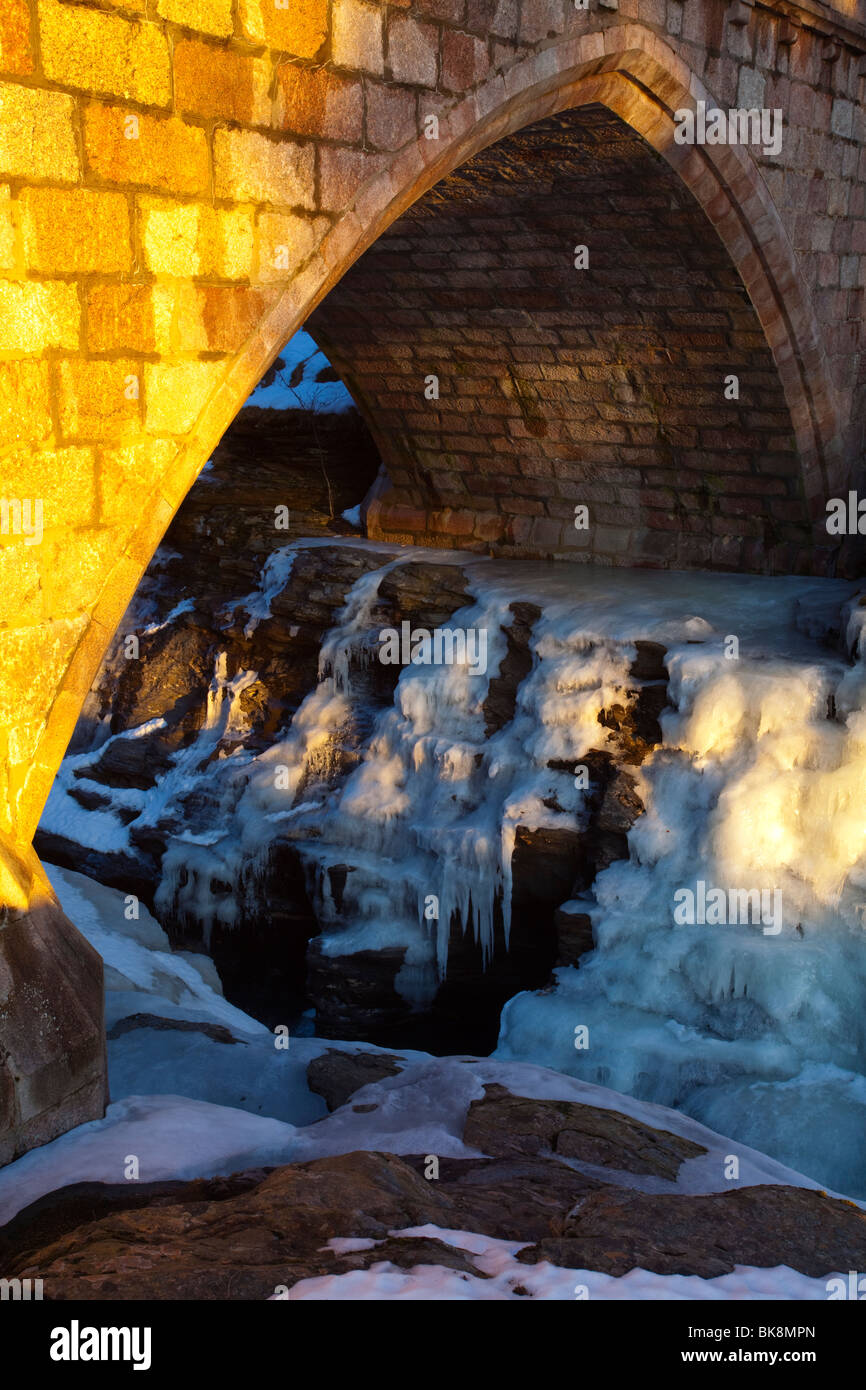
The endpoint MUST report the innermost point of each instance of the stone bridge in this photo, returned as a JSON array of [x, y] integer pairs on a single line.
[[554, 324]]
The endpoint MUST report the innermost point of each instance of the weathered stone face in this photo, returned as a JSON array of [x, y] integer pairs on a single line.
[[162, 166], [52, 1059]]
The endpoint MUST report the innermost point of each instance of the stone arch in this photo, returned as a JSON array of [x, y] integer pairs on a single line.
[[643, 81], [555, 385], [639, 77]]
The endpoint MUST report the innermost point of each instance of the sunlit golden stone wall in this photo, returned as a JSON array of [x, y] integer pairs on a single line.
[[181, 181]]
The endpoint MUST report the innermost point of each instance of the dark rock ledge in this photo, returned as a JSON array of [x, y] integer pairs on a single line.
[[243, 1236]]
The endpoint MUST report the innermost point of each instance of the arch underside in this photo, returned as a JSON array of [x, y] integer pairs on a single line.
[[555, 325]]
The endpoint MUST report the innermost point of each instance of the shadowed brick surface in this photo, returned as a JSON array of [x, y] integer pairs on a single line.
[[559, 386]]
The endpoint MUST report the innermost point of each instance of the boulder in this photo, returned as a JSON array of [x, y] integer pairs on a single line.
[[617, 1230], [338, 1075], [504, 1125]]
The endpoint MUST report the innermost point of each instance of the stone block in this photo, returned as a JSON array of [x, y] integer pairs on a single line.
[[37, 134], [35, 316], [104, 54], [249, 167], [133, 148], [75, 230], [357, 40], [318, 102], [216, 82]]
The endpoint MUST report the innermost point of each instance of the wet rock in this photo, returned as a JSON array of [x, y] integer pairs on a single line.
[[422, 592], [620, 805], [612, 807], [90, 800], [636, 723], [354, 996], [573, 934], [501, 702], [129, 762], [338, 1075], [504, 1126], [613, 803], [465, 1014], [215, 1031], [649, 664], [261, 958], [544, 865], [617, 1230]]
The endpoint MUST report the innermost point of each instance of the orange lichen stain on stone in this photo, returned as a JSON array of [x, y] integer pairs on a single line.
[[136, 149], [215, 82], [219, 318], [300, 29], [15, 49], [75, 230], [319, 102]]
